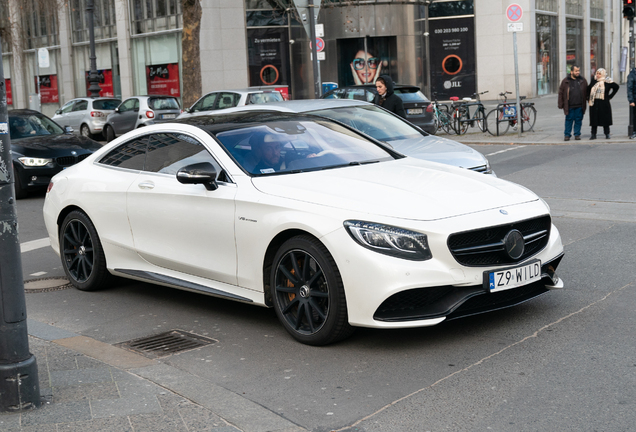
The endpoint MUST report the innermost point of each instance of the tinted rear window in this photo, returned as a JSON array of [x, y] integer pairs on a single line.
[[265, 97], [106, 104], [163, 103], [411, 95]]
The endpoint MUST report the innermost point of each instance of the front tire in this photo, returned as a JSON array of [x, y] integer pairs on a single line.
[[82, 254], [308, 292]]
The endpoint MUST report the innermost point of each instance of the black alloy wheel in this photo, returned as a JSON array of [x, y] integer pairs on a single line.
[[82, 254], [308, 292]]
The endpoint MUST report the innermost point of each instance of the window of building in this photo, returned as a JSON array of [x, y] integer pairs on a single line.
[[40, 26], [597, 9], [149, 16], [574, 44], [547, 5], [104, 20], [597, 43], [156, 64], [574, 7], [447, 8], [547, 54]]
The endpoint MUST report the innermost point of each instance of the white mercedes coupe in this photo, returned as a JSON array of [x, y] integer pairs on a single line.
[[305, 215]]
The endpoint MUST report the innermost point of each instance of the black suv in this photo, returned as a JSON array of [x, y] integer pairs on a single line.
[[418, 108]]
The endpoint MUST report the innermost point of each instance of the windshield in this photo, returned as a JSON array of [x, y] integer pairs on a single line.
[[298, 145], [265, 97], [373, 121], [30, 125], [163, 103], [411, 95], [106, 104]]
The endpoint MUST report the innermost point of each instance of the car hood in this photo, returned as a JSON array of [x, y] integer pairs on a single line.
[[438, 149], [407, 188], [44, 145]]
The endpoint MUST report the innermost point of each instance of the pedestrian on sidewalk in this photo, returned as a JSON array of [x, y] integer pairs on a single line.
[[601, 90], [572, 100], [386, 98], [631, 97]]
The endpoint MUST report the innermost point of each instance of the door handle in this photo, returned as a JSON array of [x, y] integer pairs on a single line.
[[146, 185]]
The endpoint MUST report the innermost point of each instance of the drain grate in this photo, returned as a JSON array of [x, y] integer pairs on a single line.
[[168, 343]]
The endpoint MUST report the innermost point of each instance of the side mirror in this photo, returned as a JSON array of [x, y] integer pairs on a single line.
[[68, 130], [199, 173], [59, 111], [117, 109]]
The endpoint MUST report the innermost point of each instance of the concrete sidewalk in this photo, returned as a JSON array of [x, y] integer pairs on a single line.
[[549, 127], [90, 386]]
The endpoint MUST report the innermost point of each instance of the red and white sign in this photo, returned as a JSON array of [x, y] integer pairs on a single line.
[[7, 86], [163, 80], [320, 44], [514, 12], [48, 89]]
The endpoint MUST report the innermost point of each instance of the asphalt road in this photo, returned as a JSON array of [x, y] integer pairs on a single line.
[[563, 362]]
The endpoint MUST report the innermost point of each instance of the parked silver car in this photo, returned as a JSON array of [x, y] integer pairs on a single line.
[[86, 116], [215, 101], [139, 111], [385, 126]]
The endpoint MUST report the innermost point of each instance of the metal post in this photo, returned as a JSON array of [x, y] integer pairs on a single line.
[[429, 88], [19, 383], [93, 79], [630, 128], [314, 50], [519, 124]]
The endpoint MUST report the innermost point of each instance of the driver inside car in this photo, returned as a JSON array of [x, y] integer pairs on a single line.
[[267, 147]]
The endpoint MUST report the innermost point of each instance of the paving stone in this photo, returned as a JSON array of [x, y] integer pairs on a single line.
[[117, 424], [84, 362], [57, 413], [36, 428], [138, 387], [8, 421], [145, 423], [139, 404], [95, 391], [200, 419], [65, 378]]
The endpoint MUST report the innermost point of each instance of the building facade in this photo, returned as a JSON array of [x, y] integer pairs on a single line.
[[447, 47]]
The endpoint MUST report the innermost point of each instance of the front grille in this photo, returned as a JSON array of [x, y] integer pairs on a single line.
[[485, 247], [66, 161]]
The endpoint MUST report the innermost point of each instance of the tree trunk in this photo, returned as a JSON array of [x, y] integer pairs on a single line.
[[191, 52]]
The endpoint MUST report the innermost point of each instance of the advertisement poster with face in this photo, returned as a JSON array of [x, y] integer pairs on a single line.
[[452, 57], [105, 82], [362, 63], [48, 89], [7, 85], [268, 57], [163, 79]]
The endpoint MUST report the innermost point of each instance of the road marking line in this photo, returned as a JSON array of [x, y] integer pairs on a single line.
[[34, 244], [37, 274], [506, 150]]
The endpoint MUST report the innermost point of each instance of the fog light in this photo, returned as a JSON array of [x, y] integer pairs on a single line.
[[33, 178]]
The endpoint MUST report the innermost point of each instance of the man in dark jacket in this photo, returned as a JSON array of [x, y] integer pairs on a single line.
[[631, 97], [572, 100], [386, 98]]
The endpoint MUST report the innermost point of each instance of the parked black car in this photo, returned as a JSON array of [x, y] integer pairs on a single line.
[[419, 110], [40, 148]]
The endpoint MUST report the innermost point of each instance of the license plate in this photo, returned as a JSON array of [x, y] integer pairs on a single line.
[[414, 111], [513, 277], [167, 116]]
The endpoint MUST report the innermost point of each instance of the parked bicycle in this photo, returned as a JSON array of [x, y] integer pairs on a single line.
[[463, 117], [442, 118], [500, 119]]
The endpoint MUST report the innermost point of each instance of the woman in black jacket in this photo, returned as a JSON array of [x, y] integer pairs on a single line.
[[386, 98], [600, 91]]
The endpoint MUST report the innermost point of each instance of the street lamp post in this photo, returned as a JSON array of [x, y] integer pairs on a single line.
[[93, 79]]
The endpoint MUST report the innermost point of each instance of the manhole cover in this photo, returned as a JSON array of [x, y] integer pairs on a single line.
[[46, 284], [168, 343]]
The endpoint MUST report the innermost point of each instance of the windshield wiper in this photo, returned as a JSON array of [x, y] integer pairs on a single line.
[[363, 163]]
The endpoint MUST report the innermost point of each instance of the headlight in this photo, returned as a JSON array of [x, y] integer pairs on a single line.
[[390, 240], [34, 162]]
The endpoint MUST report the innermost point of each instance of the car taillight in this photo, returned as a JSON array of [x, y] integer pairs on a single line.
[[49, 187], [429, 108], [97, 114], [150, 114]]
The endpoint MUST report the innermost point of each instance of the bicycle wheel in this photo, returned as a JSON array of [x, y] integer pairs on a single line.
[[461, 120], [480, 119], [528, 117], [435, 124], [496, 116], [445, 122]]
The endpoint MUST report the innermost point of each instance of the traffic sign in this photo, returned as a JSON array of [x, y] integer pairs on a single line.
[[320, 44], [514, 12]]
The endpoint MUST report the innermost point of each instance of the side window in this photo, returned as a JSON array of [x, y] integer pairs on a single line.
[[131, 155], [80, 105], [136, 106], [168, 153], [228, 100], [370, 96], [127, 105], [206, 103], [336, 94], [67, 108], [357, 94]]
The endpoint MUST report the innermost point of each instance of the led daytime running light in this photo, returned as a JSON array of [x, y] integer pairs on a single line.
[[34, 162], [390, 240]]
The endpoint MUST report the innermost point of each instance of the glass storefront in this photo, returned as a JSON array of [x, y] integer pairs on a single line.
[[596, 46], [107, 69], [547, 54], [156, 65], [574, 44]]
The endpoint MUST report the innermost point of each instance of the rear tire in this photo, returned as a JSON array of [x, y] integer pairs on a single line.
[[85, 131], [82, 254], [491, 122], [480, 120], [528, 117], [446, 123], [308, 292]]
